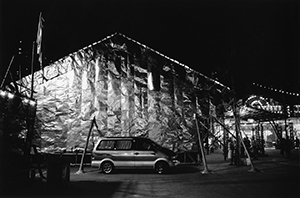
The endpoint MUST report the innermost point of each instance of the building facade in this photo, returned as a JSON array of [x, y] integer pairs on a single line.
[[127, 87]]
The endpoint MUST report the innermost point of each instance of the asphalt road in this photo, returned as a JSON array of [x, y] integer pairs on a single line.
[[278, 177]]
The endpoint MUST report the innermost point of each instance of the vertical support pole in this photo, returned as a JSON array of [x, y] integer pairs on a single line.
[[273, 124], [262, 139], [80, 170], [205, 171], [32, 69], [208, 127], [253, 169], [3, 81], [236, 114], [198, 110], [225, 147], [285, 129], [211, 126]]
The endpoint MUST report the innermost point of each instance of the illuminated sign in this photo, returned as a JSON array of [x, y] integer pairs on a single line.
[[260, 102]]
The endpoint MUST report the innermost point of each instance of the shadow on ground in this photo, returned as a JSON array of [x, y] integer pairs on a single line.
[[182, 169], [72, 189]]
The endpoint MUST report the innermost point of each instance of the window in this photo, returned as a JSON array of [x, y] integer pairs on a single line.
[[106, 145], [123, 144], [146, 146], [143, 146]]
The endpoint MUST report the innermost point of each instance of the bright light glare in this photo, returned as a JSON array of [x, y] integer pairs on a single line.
[[10, 95], [32, 103], [2, 93], [26, 100]]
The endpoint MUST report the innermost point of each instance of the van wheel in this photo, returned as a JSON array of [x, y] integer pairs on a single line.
[[161, 167], [107, 167]]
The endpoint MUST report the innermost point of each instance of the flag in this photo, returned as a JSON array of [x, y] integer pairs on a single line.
[[39, 39]]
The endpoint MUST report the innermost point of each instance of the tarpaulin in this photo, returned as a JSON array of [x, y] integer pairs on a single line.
[[130, 90]]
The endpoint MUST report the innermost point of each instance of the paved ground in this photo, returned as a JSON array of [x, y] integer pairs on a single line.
[[277, 177]]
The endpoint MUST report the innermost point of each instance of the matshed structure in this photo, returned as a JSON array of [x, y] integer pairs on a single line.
[[128, 88]]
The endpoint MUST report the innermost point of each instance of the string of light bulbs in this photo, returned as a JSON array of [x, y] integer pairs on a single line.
[[277, 90], [10, 96]]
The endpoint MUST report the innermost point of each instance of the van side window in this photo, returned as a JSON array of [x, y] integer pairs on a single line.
[[143, 146], [123, 144], [106, 145]]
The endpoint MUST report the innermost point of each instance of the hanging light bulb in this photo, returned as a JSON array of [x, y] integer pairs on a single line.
[[10, 95], [2, 93]]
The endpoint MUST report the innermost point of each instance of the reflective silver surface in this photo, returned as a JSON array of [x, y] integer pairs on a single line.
[[130, 90]]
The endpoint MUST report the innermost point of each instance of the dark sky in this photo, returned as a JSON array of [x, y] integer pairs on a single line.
[[242, 42]]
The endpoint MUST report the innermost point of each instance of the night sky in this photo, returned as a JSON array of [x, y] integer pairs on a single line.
[[237, 42]]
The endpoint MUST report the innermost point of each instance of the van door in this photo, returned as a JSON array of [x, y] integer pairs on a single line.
[[145, 154], [124, 154]]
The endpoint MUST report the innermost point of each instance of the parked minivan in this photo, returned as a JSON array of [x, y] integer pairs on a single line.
[[112, 153]]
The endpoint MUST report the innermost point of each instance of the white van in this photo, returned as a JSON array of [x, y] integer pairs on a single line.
[[132, 153]]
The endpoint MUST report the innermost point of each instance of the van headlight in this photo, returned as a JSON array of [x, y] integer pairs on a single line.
[[174, 160]]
